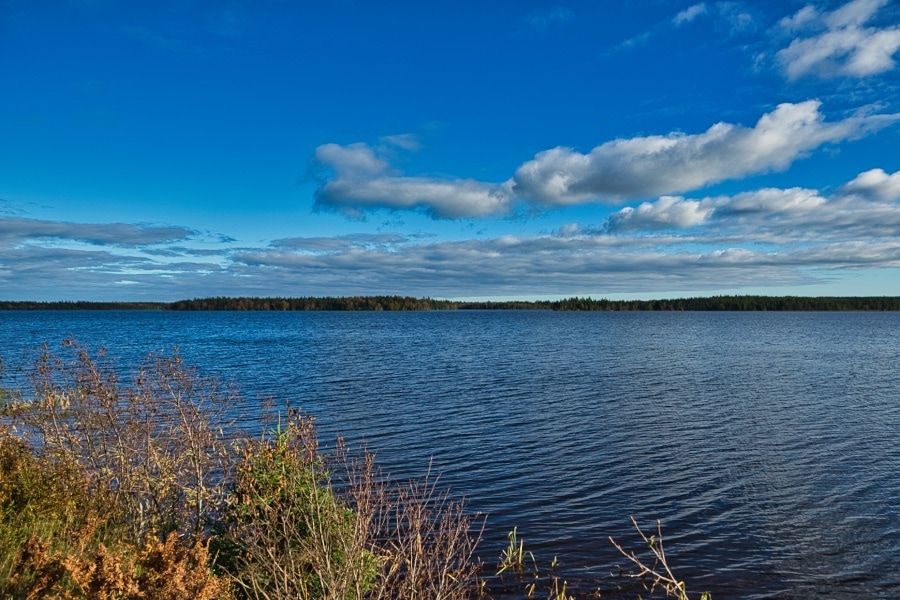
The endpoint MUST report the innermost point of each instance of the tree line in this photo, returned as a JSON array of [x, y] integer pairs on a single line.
[[407, 303]]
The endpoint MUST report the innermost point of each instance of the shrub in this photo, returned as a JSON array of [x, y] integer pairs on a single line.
[[128, 485], [157, 445], [287, 533], [61, 538]]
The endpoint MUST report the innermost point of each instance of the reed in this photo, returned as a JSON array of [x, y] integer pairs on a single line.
[[513, 556]]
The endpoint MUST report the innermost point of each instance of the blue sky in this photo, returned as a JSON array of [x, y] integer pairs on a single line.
[[623, 149]]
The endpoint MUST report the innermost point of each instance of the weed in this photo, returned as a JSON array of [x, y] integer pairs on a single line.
[[513, 556]]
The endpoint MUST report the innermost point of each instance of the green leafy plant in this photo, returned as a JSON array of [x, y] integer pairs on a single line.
[[513, 556], [287, 533]]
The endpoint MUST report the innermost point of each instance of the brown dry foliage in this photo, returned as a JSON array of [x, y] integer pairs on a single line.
[[170, 570]]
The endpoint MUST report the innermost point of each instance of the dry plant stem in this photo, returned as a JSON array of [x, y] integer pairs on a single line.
[[427, 544], [660, 572], [153, 444]]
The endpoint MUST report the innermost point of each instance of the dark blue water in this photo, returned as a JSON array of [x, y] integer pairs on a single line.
[[767, 443]]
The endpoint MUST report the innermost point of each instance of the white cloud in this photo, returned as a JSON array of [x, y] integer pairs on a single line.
[[845, 47], [853, 14], [452, 199], [363, 181], [875, 185], [769, 236], [564, 265], [355, 161], [404, 141], [667, 212], [340, 243], [803, 17], [769, 201], [763, 237], [689, 14], [735, 16], [865, 209], [614, 172], [626, 169]]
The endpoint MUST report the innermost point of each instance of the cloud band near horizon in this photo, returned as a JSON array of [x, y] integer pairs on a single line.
[[763, 237]]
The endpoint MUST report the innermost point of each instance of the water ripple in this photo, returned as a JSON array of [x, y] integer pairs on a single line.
[[766, 442]]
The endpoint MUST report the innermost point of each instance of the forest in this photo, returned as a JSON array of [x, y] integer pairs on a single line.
[[407, 303]]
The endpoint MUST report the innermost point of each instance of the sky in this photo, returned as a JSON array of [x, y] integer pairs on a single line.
[[463, 150]]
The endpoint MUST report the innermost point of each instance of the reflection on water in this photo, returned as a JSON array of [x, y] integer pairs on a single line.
[[766, 442]]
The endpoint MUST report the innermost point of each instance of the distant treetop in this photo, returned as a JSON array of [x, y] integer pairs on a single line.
[[407, 303]]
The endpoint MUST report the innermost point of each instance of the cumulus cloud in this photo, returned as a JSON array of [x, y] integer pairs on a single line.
[[626, 169], [667, 212], [839, 43], [876, 185], [614, 172], [356, 161], [364, 181], [865, 209], [770, 201], [689, 14]]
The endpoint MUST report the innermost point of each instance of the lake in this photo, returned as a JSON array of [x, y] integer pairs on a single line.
[[767, 443]]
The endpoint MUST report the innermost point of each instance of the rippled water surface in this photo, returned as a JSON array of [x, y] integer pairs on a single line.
[[767, 443]]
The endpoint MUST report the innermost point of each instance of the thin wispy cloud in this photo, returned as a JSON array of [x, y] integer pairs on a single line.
[[689, 14], [544, 19], [15, 230], [728, 19]]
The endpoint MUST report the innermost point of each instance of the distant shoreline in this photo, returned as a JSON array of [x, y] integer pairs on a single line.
[[406, 303]]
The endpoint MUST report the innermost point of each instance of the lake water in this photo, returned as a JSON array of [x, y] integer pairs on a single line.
[[767, 443]]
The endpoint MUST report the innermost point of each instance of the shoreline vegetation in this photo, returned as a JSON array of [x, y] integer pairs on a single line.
[[139, 485], [407, 303]]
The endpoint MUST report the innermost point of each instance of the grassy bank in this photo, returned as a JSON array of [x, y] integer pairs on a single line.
[[141, 487]]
